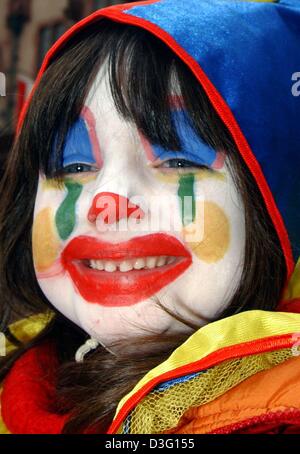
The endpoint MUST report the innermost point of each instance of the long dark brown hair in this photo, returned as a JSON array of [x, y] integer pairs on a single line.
[[141, 69]]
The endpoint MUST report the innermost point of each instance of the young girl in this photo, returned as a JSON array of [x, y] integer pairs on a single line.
[[149, 226]]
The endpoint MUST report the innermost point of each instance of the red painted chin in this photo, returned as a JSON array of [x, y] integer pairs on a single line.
[[123, 288]]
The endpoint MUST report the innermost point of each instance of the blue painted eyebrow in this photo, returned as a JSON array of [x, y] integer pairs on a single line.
[[78, 146], [192, 147]]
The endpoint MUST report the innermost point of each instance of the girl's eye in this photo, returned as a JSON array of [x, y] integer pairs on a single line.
[[181, 164], [79, 168]]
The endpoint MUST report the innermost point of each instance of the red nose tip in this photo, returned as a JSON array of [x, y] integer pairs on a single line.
[[113, 207]]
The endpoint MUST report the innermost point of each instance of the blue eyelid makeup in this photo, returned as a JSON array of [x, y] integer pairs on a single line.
[[192, 147], [78, 147]]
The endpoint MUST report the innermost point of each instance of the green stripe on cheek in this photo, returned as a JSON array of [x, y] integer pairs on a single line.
[[188, 207], [65, 218]]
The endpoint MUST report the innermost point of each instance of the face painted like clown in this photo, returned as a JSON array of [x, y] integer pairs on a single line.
[[116, 248]]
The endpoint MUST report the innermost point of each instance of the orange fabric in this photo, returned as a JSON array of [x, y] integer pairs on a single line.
[[274, 390]]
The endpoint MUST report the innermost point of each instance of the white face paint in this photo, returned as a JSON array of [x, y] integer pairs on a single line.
[[72, 241]]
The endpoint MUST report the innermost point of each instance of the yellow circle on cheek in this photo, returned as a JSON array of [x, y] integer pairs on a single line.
[[216, 235], [45, 241]]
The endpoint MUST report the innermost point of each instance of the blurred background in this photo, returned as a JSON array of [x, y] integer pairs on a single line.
[[28, 28]]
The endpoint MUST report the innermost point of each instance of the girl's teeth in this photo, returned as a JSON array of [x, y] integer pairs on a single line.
[[161, 261], [139, 264], [151, 262], [128, 265], [98, 265], [110, 267]]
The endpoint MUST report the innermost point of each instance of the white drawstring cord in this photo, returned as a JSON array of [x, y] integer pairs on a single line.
[[90, 344]]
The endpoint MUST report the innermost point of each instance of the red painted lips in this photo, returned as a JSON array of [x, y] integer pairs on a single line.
[[123, 288]]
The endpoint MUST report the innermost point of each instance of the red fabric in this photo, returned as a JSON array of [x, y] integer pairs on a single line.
[[289, 306], [28, 391], [283, 422]]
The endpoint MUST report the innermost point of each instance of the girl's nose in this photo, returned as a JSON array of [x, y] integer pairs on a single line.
[[112, 208]]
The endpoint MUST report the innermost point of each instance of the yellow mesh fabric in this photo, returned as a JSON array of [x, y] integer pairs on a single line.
[[163, 407]]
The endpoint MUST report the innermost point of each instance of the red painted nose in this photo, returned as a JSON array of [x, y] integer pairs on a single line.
[[113, 207]]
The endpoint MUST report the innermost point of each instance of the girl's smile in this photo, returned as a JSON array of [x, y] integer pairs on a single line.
[[124, 274]]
